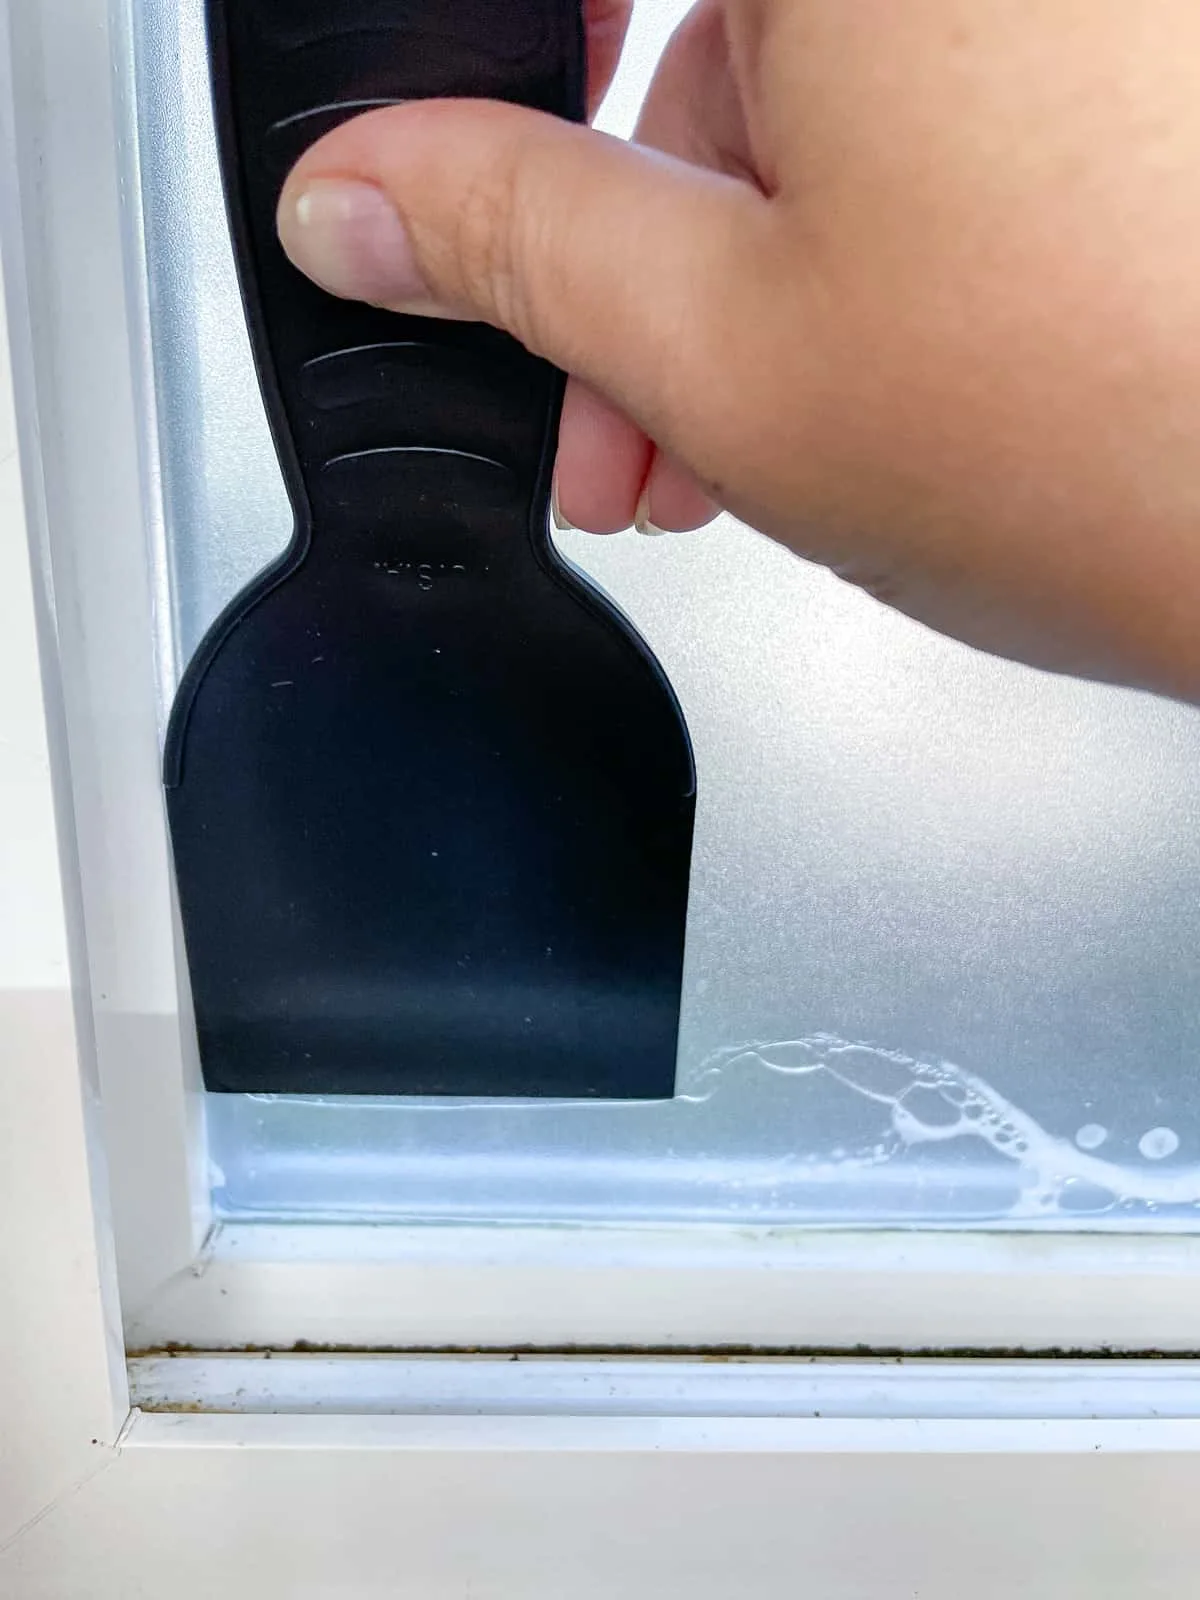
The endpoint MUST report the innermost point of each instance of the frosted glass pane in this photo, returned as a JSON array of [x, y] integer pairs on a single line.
[[944, 910]]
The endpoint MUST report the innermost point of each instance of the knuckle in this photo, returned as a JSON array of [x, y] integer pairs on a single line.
[[489, 229]]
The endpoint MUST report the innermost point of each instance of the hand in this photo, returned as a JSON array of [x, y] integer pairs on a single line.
[[913, 289]]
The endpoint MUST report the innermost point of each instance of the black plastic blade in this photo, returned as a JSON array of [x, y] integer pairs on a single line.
[[431, 797]]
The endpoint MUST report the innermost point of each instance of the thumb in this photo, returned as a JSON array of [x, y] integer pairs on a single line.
[[621, 265]]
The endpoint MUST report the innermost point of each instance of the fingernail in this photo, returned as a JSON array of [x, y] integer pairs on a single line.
[[641, 517], [561, 525], [348, 237]]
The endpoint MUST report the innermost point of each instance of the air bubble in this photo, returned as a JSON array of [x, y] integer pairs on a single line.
[[1158, 1144], [1091, 1136]]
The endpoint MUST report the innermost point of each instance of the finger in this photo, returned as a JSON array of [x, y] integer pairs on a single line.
[[606, 23], [692, 111], [693, 108], [672, 501], [603, 461], [525, 222], [609, 472]]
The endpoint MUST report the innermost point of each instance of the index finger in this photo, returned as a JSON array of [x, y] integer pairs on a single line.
[[606, 22]]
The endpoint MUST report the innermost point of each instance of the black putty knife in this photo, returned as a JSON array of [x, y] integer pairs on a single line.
[[431, 796]]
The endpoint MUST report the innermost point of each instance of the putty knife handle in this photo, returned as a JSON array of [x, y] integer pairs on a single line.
[[378, 417]]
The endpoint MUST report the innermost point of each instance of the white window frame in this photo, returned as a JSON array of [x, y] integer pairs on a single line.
[[362, 1474], [84, 391]]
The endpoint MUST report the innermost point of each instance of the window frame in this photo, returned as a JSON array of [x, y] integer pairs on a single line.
[[84, 397], [101, 1168]]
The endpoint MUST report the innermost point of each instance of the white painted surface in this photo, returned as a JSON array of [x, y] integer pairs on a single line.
[[62, 1384], [33, 952], [77, 374], [512, 1509]]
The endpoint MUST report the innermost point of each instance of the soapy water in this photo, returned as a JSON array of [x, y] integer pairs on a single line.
[[936, 1102], [819, 1130]]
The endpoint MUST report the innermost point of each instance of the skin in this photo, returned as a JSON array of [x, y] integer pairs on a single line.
[[913, 289]]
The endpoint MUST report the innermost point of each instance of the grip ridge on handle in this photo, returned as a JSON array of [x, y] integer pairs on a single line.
[[343, 381]]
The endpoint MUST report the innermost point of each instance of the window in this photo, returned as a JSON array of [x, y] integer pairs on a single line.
[[876, 893], [943, 909]]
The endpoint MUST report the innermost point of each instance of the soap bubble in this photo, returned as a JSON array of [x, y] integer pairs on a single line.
[[1159, 1143], [1091, 1136]]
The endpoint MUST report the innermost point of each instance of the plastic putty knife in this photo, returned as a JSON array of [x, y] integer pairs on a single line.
[[431, 797]]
